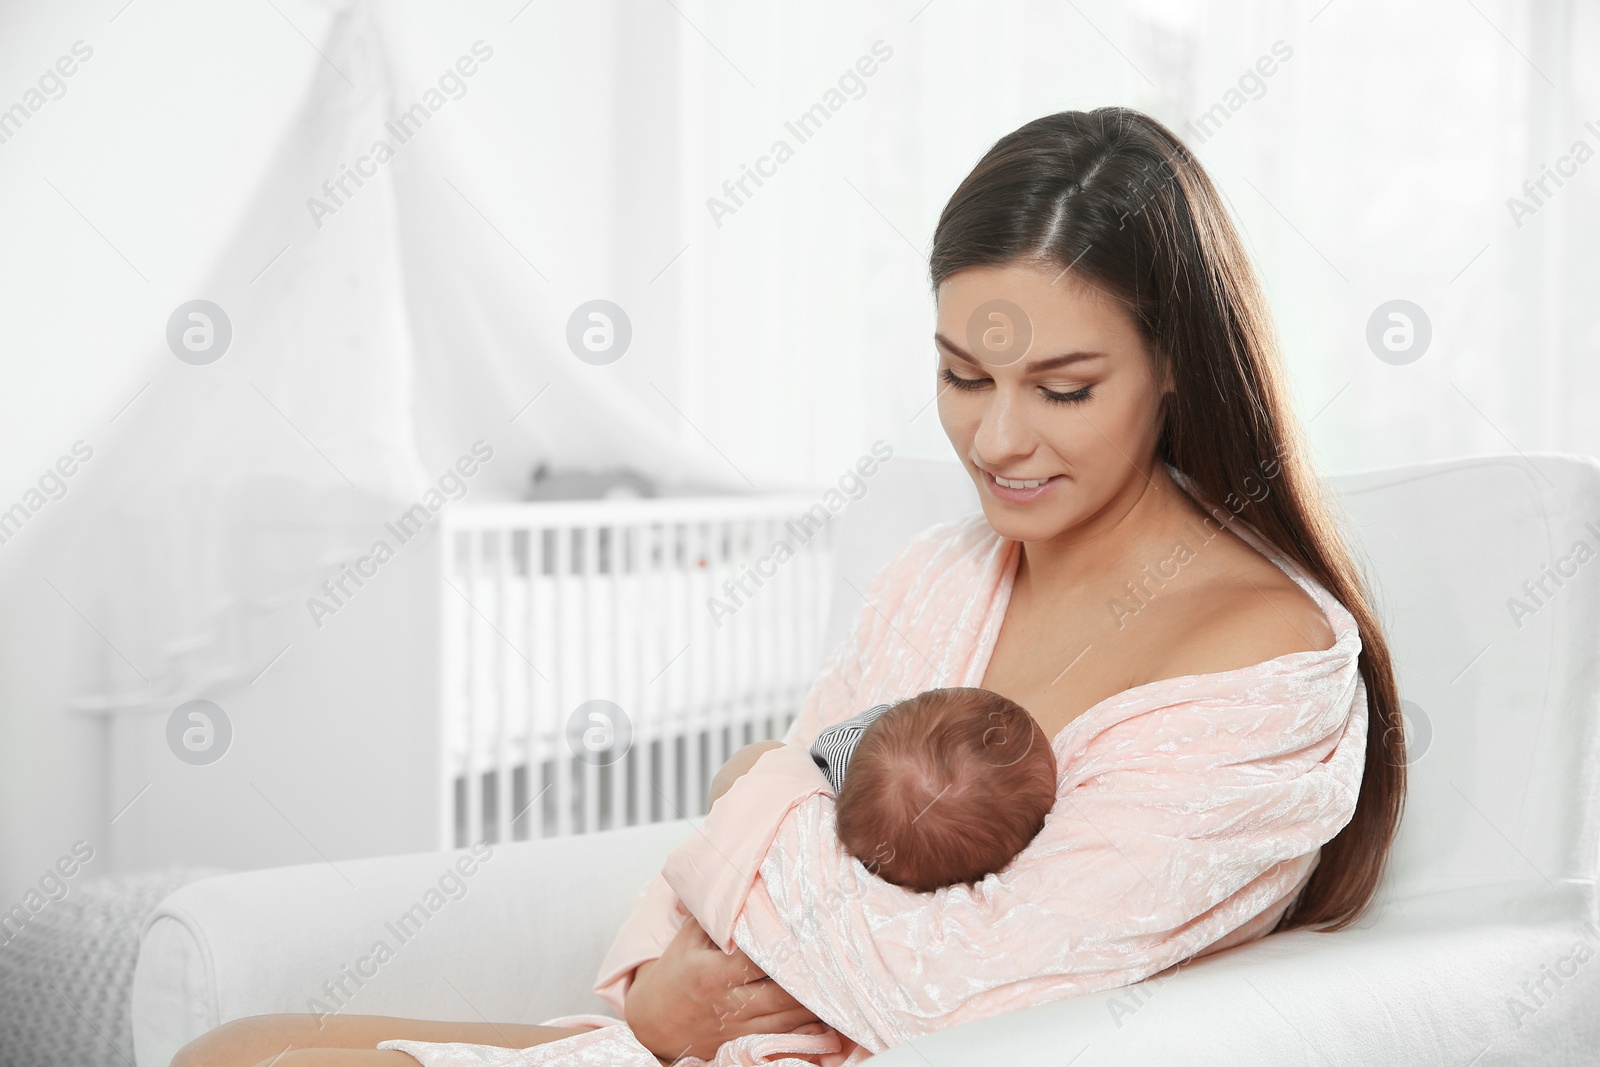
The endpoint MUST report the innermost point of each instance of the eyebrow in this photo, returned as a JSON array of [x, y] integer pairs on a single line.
[[1033, 364]]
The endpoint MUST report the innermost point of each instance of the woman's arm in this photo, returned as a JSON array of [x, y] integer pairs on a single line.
[[1178, 828], [676, 990], [649, 929], [658, 915], [737, 766]]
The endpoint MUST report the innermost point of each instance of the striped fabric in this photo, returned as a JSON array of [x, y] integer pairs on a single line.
[[834, 745]]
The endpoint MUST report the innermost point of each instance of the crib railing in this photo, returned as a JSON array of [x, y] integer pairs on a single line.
[[601, 659]]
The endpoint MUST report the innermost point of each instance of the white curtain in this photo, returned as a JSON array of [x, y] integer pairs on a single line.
[[774, 342], [372, 348]]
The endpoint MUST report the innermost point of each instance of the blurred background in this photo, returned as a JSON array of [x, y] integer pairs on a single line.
[[574, 309]]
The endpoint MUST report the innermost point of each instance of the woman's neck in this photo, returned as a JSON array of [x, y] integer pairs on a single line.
[[1139, 524]]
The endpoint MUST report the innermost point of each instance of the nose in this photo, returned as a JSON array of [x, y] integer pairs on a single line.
[[1004, 434]]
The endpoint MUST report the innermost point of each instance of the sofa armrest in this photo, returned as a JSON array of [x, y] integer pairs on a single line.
[[1431, 982], [509, 933]]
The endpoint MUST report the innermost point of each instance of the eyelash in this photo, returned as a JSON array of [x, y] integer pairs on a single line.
[[1086, 393]]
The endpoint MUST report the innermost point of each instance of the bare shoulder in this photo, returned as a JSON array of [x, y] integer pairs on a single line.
[[1249, 613]]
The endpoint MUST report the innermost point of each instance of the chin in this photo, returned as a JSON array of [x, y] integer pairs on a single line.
[[1018, 525]]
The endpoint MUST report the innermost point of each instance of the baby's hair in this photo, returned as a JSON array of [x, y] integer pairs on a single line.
[[980, 758]]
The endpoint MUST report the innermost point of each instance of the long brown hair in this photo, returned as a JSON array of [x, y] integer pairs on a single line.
[[1113, 196]]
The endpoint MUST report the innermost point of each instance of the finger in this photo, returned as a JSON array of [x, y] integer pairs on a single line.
[[740, 1000], [735, 968], [728, 987], [783, 1022], [718, 978], [766, 998], [758, 1007]]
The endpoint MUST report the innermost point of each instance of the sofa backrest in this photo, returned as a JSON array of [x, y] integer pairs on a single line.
[[1485, 573], [1500, 676]]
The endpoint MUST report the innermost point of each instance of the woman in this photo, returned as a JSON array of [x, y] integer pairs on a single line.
[[1108, 377]]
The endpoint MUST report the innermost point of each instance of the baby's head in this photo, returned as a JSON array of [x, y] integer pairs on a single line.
[[945, 788]]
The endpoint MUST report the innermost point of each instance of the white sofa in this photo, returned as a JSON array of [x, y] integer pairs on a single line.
[[1483, 951]]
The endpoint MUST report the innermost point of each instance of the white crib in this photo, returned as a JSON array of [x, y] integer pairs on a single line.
[[549, 606]]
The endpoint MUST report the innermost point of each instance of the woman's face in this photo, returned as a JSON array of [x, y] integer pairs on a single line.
[[1044, 383]]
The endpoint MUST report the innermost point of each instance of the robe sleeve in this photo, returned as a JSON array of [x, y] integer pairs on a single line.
[[656, 917], [742, 823], [658, 912], [1179, 825]]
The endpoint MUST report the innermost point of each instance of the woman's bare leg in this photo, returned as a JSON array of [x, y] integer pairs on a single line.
[[259, 1039], [339, 1057]]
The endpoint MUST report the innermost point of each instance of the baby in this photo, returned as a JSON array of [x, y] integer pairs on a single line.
[[942, 788]]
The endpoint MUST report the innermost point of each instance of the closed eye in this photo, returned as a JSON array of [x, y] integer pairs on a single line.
[[955, 381]]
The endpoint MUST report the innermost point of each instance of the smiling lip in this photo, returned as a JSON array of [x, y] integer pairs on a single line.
[[1017, 496]]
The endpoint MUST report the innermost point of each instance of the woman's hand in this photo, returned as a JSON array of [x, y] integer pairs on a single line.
[[694, 997]]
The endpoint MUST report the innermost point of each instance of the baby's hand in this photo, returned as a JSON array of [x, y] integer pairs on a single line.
[[738, 763]]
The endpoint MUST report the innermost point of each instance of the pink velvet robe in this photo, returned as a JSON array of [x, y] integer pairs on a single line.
[[1191, 812]]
